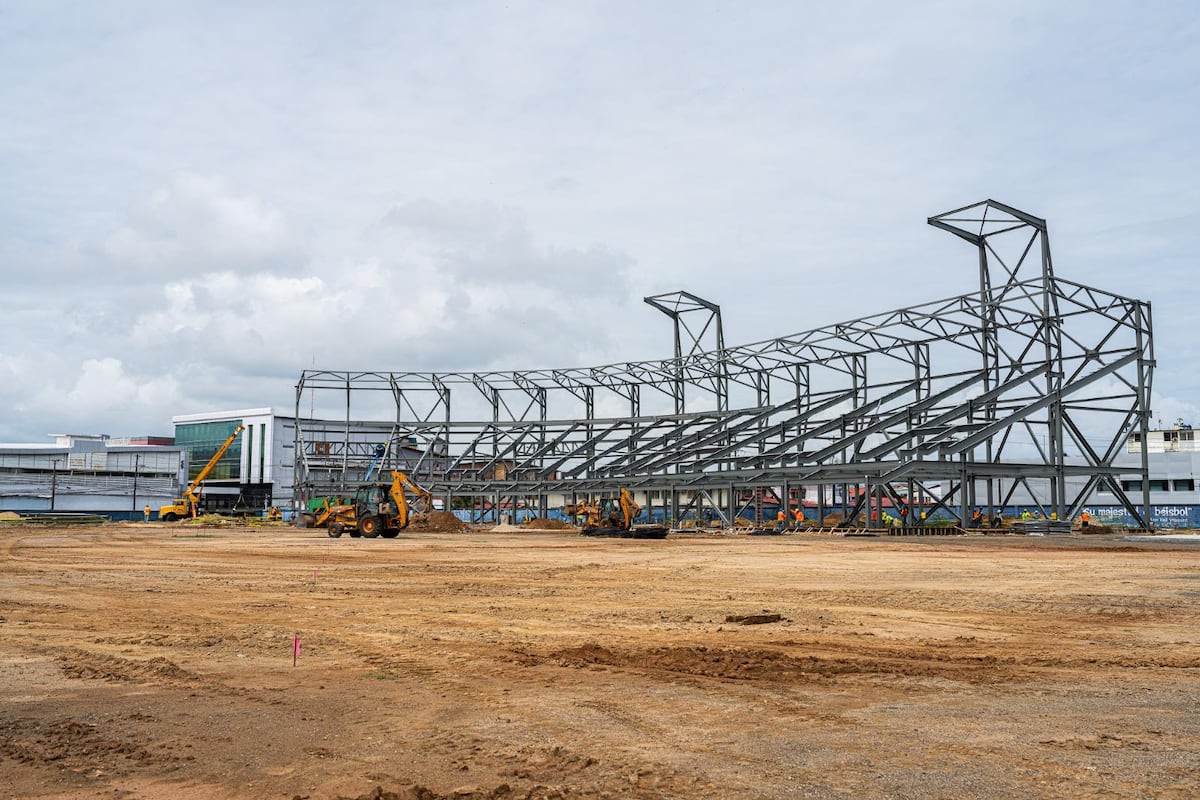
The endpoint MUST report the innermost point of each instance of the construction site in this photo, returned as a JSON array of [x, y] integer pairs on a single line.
[[1022, 391], [399, 630]]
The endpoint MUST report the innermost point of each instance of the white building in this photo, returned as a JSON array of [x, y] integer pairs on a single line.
[[90, 473]]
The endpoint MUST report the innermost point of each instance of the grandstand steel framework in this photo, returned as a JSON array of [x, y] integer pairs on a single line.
[[971, 401]]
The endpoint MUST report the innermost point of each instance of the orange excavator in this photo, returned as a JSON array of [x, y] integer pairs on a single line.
[[378, 509]]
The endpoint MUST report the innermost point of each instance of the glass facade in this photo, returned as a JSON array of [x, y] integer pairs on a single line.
[[201, 441]]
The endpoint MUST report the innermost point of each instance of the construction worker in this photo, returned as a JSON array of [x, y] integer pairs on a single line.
[[798, 516], [1084, 519], [146, 513], [1026, 515], [977, 518], [781, 519]]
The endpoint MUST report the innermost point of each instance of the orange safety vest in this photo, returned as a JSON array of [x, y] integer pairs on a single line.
[[780, 516], [1085, 517]]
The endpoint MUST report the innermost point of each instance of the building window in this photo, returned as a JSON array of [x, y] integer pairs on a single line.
[[1184, 484], [1131, 486], [1159, 486], [202, 440]]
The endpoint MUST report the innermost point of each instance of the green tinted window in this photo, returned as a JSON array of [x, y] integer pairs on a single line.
[[202, 440]]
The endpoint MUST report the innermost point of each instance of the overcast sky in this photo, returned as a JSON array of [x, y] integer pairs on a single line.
[[199, 200]]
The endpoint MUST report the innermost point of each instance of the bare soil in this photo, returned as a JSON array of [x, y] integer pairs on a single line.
[[149, 661]]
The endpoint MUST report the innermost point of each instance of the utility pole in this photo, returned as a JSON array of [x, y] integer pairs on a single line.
[[53, 480]]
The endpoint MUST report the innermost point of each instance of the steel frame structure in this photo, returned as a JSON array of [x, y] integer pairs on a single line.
[[1017, 388]]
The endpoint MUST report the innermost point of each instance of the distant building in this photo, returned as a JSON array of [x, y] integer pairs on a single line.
[[91, 473], [1174, 464], [254, 470]]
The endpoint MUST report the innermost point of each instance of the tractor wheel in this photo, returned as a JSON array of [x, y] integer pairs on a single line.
[[334, 530], [369, 526], [390, 533], [170, 517]]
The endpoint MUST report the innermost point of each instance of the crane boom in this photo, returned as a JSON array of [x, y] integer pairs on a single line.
[[186, 505]]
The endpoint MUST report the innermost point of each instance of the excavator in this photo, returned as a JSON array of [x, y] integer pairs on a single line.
[[378, 509], [614, 517], [186, 506]]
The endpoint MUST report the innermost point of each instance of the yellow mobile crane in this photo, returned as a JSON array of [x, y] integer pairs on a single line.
[[379, 509], [186, 506]]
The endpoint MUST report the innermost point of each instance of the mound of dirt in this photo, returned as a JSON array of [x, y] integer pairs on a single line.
[[547, 524], [441, 522]]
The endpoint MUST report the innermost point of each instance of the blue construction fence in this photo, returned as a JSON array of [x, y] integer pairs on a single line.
[[1162, 516]]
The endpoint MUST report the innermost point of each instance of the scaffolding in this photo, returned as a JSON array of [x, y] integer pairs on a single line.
[[1027, 386]]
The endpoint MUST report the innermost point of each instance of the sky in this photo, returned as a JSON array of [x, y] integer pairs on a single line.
[[199, 200]]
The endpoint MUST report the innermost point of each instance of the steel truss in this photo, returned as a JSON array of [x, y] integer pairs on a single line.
[[1026, 387]]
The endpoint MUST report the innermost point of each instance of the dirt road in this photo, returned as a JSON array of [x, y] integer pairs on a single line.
[[150, 662]]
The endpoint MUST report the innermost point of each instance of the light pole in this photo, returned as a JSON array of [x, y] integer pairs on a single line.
[[53, 480]]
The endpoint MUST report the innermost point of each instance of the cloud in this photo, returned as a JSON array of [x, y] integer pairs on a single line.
[[100, 395], [1167, 411], [197, 221], [429, 286], [489, 246]]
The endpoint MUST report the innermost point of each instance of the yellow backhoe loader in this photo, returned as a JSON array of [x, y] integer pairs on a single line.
[[378, 509]]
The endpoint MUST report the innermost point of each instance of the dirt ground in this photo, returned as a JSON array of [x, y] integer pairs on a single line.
[[146, 661]]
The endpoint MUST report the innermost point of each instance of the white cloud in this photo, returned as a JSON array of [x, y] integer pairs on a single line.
[[99, 395], [197, 221], [1167, 411]]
